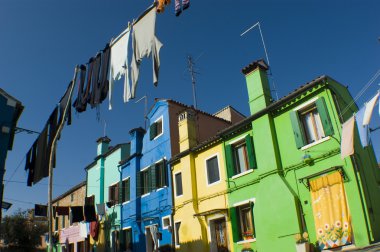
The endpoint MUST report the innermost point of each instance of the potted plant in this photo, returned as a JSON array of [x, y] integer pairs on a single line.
[[248, 235], [302, 242]]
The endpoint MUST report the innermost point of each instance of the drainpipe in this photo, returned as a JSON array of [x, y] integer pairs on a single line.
[[120, 204], [172, 227]]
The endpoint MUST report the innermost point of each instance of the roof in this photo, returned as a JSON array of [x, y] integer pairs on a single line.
[[70, 191], [109, 152], [247, 122], [187, 107]]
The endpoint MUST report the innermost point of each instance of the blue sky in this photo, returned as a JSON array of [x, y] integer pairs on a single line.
[[41, 41]]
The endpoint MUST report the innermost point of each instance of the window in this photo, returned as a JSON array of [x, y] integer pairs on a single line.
[[113, 194], [177, 226], [311, 122], [212, 170], [56, 223], [145, 181], [63, 221], [245, 221], [166, 223], [115, 241], [240, 156], [127, 244], [160, 174], [178, 184], [156, 129], [126, 195], [72, 197]]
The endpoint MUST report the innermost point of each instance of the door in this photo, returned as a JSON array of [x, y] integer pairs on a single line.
[[219, 235], [149, 244]]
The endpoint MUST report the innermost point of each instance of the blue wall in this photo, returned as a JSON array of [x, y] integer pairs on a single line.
[[149, 209]]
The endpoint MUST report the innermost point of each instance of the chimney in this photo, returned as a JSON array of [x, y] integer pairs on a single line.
[[137, 135], [187, 130], [259, 94], [103, 144]]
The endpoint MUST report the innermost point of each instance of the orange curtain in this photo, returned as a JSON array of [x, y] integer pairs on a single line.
[[331, 215]]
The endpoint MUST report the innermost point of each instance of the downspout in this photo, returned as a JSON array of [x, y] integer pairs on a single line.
[[120, 205], [172, 227]]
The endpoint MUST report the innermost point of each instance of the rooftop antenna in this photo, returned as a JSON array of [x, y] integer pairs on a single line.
[[190, 65], [104, 128], [145, 97], [266, 53]]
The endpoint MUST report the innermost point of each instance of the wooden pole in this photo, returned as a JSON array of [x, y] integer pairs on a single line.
[[54, 145]]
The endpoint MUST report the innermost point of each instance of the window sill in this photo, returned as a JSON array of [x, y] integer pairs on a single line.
[[214, 183], [315, 143], [158, 136], [126, 202], [247, 241], [242, 174], [144, 195]]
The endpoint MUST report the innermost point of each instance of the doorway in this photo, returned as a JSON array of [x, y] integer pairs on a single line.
[[219, 241]]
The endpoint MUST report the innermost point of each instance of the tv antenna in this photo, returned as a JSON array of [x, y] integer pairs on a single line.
[[145, 97], [191, 69], [266, 53]]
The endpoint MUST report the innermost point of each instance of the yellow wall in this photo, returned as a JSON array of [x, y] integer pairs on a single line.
[[199, 197]]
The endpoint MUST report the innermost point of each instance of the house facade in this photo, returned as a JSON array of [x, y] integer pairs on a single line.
[[103, 177], [10, 111], [147, 221], [69, 238]]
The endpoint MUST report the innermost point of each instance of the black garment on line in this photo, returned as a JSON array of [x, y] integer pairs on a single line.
[[61, 210], [89, 213], [104, 84], [41, 167], [80, 102], [40, 210], [76, 214], [95, 81], [53, 128]]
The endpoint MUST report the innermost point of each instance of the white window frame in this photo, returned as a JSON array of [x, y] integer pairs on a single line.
[[162, 126], [129, 177], [242, 203], [158, 161], [170, 221], [113, 184], [143, 170], [175, 234], [206, 170], [126, 228], [175, 185], [148, 227]]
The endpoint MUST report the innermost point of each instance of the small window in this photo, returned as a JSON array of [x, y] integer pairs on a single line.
[[178, 184], [63, 221], [113, 194], [56, 223], [240, 157], [212, 170], [166, 223], [156, 129], [311, 122], [145, 182], [126, 195], [245, 219], [160, 173], [177, 225], [72, 197], [127, 244]]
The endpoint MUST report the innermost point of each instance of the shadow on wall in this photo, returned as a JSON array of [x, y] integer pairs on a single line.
[[195, 245]]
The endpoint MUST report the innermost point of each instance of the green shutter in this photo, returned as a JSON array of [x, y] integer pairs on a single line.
[[229, 160], [153, 130], [127, 190], [235, 223], [138, 184], [164, 171], [324, 115], [298, 135], [251, 152], [152, 178]]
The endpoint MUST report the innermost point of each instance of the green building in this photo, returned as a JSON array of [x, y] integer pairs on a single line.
[[286, 175]]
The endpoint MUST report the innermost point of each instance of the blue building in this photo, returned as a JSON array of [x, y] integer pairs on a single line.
[[10, 111], [146, 186]]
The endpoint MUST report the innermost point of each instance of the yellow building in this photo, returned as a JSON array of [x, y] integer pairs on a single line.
[[201, 221]]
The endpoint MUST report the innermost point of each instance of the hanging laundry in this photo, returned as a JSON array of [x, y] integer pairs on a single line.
[[53, 128], [41, 168], [95, 81], [369, 109], [83, 230], [80, 103], [161, 5], [66, 102], [62, 210], [119, 65], [89, 213], [94, 229], [104, 83], [347, 142], [145, 44], [177, 6], [101, 209], [40, 210], [363, 129], [76, 214], [153, 232]]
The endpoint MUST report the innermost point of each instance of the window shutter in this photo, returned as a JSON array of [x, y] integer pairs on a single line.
[[230, 161], [235, 223], [110, 193], [324, 115], [164, 171], [117, 196], [298, 135], [152, 178], [251, 152], [153, 130], [127, 190], [138, 184]]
